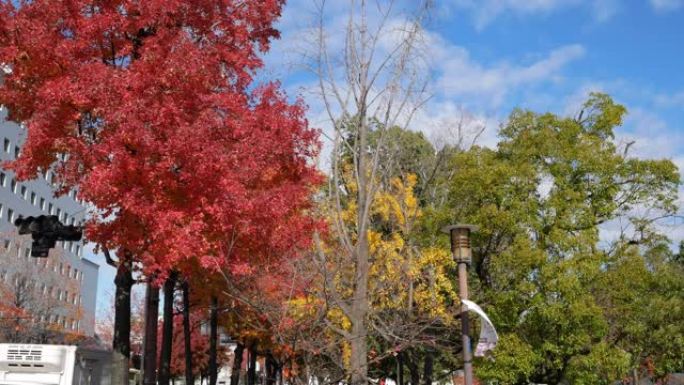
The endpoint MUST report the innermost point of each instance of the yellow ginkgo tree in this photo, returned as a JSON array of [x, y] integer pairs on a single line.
[[411, 295]]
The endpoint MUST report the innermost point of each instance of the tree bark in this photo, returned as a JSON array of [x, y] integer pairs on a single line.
[[359, 311], [237, 364], [412, 365], [279, 373], [151, 318], [167, 331], [189, 378], [122, 321], [427, 368], [270, 369], [400, 368], [213, 340], [251, 371]]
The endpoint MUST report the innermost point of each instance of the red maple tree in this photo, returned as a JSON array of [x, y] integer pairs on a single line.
[[148, 110], [200, 346]]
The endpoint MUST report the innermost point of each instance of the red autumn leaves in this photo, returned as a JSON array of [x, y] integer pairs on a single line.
[[184, 160]]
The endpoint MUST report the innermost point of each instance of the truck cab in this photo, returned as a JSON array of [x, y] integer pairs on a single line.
[[31, 364]]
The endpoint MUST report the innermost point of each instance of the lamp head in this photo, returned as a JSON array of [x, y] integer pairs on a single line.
[[460, 241]]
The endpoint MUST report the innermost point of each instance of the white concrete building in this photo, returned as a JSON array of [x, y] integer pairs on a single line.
[[77, 276]]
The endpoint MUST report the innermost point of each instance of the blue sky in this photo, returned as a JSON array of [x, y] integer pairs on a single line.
[[491, 56], [488, 57]]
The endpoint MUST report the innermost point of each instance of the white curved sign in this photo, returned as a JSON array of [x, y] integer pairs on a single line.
[[488, 336]]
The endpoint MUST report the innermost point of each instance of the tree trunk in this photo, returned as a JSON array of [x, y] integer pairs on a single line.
[[251, 371], [237, 364], [151, 317], [359, 308], [635, 376], [279, 374], [413, 369], [270, 370], [213, 339], [427, 368], [400, 368], [167, 331], [122, 322], [189, 378]]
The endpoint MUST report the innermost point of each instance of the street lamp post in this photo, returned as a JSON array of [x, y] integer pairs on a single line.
[[462, 254]]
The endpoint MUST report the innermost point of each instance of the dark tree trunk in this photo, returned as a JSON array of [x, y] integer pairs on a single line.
[[167, 331], [400, 368], [189, 378], [151, 317], [121, 344], [412, 365], [237, 364], [251, 371], [213, 340], [270, 367], [427, 368]]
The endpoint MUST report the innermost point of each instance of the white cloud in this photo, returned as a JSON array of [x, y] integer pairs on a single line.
[[484, 12], [603, 10], [651, 135], [448, 123], [459, 75], [667, 5], [670, 100]]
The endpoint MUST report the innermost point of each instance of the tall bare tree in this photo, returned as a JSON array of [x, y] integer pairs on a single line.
[[377, 80]]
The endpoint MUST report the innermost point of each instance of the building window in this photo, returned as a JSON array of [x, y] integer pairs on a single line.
[[13, 186], [0, 210], [42, 203], [17, 152], [8, 146], [10, 215], [24, 192], [50, 208], [78, 250], [27, 252], [33, 198], [3, 177], [59, 213]]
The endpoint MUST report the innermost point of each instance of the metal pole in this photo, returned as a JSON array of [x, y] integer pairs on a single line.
[[465, 324], [462, 254]]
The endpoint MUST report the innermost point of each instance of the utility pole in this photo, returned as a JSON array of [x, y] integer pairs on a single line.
[[462, 254]]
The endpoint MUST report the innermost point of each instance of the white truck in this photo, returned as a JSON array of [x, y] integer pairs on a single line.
[[27, 364]]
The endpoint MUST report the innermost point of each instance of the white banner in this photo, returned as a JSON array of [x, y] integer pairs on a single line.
[[488, 336]]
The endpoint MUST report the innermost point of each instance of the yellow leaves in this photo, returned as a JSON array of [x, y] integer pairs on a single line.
[[402, 276], [435, 290], [398, 204]]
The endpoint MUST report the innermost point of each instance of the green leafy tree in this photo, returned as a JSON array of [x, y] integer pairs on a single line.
[[563, 304]]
